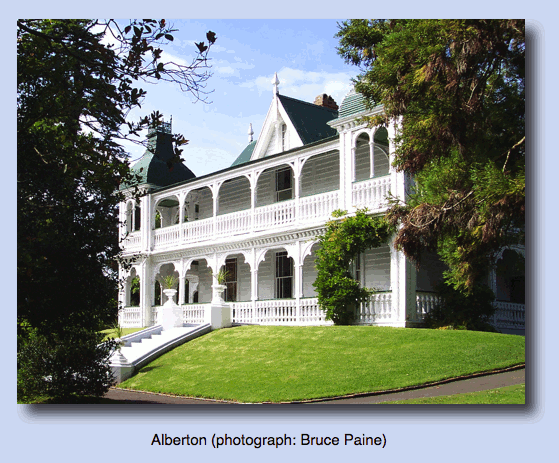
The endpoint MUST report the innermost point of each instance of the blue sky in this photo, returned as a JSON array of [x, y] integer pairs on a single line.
[[244, 59]]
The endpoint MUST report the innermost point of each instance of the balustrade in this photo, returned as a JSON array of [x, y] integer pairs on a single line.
[[130, 317], [377, 309], [274, 215], [425, 302], [241, 312], [234, 223], [371, 193], [318, 206], [193, 313], [509, 315], [133, 241]]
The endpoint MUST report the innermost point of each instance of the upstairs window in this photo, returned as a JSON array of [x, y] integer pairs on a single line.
[[283, 137], [284, 184]]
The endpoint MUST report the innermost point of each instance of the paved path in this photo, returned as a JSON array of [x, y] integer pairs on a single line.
[[479, 383]]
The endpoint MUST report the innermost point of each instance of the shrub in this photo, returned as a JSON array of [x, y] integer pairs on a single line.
[[339, 294], [74, 362], [459, 310]]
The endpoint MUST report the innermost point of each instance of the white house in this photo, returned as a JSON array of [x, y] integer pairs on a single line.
[[260, 217]]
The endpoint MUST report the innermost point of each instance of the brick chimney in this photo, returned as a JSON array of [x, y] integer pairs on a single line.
[[327, 101]]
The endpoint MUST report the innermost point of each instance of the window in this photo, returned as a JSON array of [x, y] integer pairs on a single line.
[[283, 137], [355, 268], [137, 218], [231, 280], [284, 276], [284, 189]]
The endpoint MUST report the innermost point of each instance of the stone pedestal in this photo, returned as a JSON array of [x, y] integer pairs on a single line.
[[170, 314], [121, 368], [218, 315]]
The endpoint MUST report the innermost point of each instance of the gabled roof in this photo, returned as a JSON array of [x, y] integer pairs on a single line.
[[309, 119], [245, 155]]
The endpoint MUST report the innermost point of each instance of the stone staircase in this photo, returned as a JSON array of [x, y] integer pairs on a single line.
[[145, 346]]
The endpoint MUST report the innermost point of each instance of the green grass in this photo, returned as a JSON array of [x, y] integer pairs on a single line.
[[503, 395], [111, 333], [275, 364]]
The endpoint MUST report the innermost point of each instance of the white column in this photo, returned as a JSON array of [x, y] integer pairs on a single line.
[[372, 156], [146, 219], [182, 279], [145, 294], [403, 280]]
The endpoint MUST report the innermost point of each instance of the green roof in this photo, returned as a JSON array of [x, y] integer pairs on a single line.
[[245, 155], [353, 103], [156, 167], [310, 120]]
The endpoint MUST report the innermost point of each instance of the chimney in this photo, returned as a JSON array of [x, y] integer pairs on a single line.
[[326, 101]]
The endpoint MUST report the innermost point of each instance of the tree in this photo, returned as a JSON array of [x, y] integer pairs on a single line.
[[74, 93], [456, 90], [339, 293]]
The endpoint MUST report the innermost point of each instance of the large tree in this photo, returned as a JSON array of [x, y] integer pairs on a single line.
[[77, 82], [456, 89]]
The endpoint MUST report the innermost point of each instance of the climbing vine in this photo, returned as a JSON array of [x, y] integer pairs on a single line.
[[346, 236]]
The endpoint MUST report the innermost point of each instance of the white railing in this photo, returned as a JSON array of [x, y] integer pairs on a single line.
[[425, 302], [274, 215], [233, 223], [378, 309], [310, 313], [198, 230], [167, 235], [241, 312], [133, 241], [371, 193], [279, 312], [509, 315], [154, 311], [194, 313], [130, 317], [276, 312], [318, 206]]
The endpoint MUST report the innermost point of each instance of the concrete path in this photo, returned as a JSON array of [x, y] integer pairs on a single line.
[[479, 383]]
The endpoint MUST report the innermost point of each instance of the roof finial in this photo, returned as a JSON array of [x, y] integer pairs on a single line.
[[250, 133], [276, 83]]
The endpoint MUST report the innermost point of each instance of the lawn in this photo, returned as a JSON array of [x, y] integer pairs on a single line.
[[503, 395], [111, 333], [276, 364]]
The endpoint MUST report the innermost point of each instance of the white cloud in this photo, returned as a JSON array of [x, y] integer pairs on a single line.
[[305, 85]]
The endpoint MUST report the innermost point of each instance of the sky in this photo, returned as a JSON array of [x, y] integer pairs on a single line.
[[244, 59]]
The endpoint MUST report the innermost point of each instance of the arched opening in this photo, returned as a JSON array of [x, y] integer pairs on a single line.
[[234, 196], [198, 205], [276, 276], [129, 218], [309, 272], [161, 282], [381, 160], [320, 174], [510, 275], [275, 185], [362, 158], [166, 211]]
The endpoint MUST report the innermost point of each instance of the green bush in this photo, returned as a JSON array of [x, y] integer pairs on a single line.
[[71, 363], [459, 310], [339, 294]]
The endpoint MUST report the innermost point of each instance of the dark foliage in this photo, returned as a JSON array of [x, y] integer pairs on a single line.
[[457, 89], [462, 311], [73, 95]]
